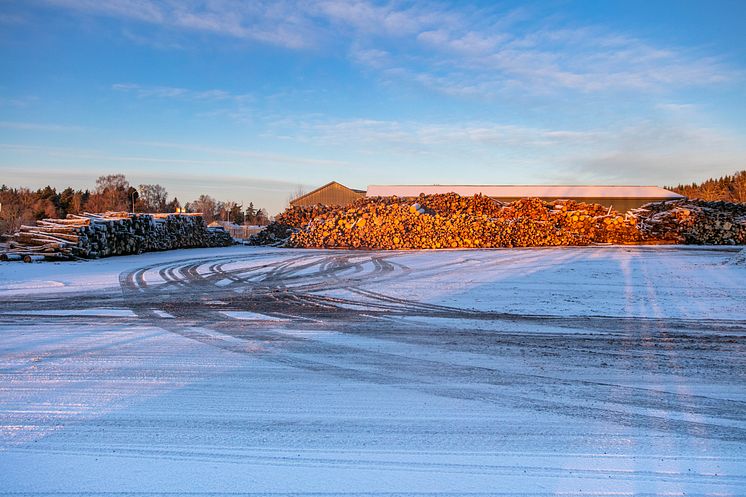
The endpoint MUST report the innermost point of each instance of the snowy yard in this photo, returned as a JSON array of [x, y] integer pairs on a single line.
[[256, 371]]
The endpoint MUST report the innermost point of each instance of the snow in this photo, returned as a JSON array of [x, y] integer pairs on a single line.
[[739, 259], [18, 278], [79, 312], [648, 282], [253, 371], [518, 191], [252, 316]]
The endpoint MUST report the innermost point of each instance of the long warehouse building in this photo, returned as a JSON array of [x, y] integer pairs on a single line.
[[621, 198]]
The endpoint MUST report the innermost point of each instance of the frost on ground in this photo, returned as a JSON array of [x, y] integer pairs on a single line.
[[738, 259], [593, 371]]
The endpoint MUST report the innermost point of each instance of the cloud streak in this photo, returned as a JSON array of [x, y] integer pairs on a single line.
[[28, 126], [170, 92], [659, 150], [469, 51]]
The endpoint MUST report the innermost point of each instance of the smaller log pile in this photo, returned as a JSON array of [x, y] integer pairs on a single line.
[[91, 236], [276, 234], [696, 222]]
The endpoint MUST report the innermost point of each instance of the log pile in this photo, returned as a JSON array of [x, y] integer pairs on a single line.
[[697, 222], [276, 234], [91, 236], [452, 221], [302, 215]]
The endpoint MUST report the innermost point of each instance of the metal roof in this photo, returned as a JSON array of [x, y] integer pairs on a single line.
[[518, 191]]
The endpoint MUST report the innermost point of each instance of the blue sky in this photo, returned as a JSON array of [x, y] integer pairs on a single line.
[[248, 100]]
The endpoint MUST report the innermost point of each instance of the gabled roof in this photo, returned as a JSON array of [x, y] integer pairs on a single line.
[[517, 191], [325, 186]]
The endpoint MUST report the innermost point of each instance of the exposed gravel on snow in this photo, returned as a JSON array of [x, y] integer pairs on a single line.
[[594, 371]]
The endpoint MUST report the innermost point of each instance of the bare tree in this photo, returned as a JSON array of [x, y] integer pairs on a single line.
[[111, 181], [174, 205], [739, 186], [262, 218], [111, 194], [712, 190], [152, 198], [231, 211], [207, 206], [16, 209], [299, 191]]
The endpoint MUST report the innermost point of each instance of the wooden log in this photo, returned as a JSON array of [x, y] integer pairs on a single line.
[[113, 233], [57, 236]]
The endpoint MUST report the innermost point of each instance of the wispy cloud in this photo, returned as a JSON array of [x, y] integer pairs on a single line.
[[463, 51], [19, 101], [6, 18], [659, 150], [199, 155], [586, 59], [249, 154], [213, 95], [278, 23], [417, 133], [28, 126]]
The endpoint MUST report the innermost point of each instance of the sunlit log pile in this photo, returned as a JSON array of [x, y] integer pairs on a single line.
[[452, 221], [91, 236], [301, 216]]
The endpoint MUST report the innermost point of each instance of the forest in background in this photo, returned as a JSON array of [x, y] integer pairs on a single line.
[[729, 188], [19, 206]]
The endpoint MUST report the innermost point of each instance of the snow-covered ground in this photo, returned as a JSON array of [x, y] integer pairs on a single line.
[[593, 371]]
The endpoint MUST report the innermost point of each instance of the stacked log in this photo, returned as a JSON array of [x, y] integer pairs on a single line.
[[302, 215], [91, 236], [276, 234], [452, 221], [696, 222]]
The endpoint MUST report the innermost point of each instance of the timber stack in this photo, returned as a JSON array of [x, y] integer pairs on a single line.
[[451, 221], [696, 222], [91, 236]]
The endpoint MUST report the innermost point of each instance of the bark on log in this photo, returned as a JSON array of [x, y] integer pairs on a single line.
[[115, 233]]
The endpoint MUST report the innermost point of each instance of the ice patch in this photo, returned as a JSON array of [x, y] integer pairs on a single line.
[[251, 316], [163, 314], [113, 313], [31, 285]]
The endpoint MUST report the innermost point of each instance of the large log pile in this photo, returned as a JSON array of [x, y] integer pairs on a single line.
[[696, 222], [452, 221], [113, 233]]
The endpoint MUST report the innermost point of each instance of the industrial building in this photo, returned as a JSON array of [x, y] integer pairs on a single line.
[[332, 193], [620, 198]]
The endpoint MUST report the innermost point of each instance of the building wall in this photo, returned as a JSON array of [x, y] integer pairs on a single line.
[[620, 198], [333, 194]]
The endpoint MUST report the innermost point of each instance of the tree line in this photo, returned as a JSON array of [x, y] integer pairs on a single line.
[[113, 192], [730, 188]]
